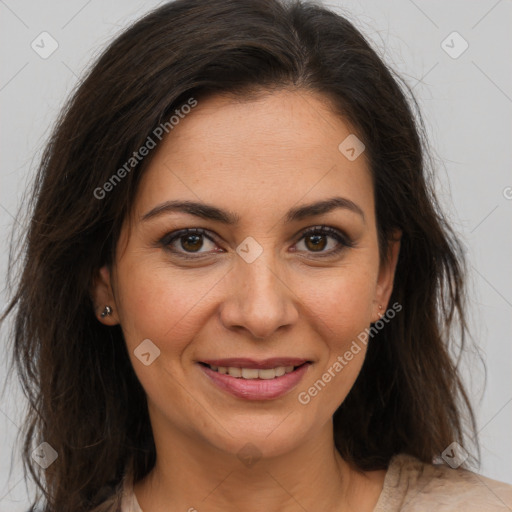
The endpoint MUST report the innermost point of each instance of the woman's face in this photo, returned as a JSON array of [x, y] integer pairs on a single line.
[[254, 284]]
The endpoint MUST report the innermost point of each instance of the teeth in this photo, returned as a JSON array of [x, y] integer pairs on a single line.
[[280, 371], [253, 373], [250, 373], [234, 372], [268, 373]]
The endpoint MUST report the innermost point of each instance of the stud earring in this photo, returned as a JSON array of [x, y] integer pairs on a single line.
[[380, 312], [106, 312]]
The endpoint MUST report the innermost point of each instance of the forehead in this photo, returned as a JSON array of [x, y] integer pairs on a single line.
[[277, 148]]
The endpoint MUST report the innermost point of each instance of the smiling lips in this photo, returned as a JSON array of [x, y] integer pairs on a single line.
[[256, 380]]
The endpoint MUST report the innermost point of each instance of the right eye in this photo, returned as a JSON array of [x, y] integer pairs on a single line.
[[185, 242]]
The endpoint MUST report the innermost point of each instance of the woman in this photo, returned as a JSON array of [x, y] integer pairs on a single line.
[[238, 289]]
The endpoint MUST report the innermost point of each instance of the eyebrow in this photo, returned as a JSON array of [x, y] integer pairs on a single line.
[[210, 212]]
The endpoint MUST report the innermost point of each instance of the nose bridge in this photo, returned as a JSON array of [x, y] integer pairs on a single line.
[[262, 283], [259, 299]]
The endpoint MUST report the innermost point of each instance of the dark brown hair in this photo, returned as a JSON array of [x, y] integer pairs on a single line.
[[85, 399]]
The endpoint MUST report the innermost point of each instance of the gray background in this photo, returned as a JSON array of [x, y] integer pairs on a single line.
[[466, 102]]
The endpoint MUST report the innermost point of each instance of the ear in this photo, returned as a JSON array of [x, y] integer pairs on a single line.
[[387, 276], [102, 295]]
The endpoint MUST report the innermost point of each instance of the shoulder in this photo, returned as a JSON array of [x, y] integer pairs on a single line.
[[413, 485], [129, 501]]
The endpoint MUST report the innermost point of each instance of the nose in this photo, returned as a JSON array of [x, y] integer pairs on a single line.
[[258, 299]]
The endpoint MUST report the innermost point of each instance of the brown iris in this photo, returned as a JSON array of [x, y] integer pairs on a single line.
[[317, 244], [196, 245]]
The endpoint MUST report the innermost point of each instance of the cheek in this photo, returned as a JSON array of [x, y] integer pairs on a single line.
[[343, 303], [157, 302], [341, 310]]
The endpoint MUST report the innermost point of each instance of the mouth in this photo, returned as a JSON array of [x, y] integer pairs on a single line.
[[255, 380], [254, 373]]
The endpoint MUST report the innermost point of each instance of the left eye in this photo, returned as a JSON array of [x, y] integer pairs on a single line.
[[315, 240]]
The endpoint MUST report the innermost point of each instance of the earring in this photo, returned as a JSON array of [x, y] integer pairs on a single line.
[[380, 312], [106, 312]]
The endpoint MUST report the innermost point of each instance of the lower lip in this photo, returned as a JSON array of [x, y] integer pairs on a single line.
[[256, 389]]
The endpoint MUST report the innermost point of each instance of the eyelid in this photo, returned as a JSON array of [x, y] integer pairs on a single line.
[[344, 241], [168, 238], [328, 231]]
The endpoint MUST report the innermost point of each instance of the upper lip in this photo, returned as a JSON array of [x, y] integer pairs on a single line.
[[243, 362]]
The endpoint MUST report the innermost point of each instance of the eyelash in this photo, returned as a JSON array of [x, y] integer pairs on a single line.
[[342, 239]]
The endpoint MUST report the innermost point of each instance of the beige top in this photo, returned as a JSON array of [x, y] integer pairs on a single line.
[[411, 485]]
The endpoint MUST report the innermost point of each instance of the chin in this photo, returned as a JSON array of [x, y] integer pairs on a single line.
[[260, 437]]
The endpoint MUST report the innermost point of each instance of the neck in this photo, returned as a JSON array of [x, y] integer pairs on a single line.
[[191, 474]]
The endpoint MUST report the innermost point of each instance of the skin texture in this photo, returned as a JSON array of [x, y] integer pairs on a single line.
[[256, 159]]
